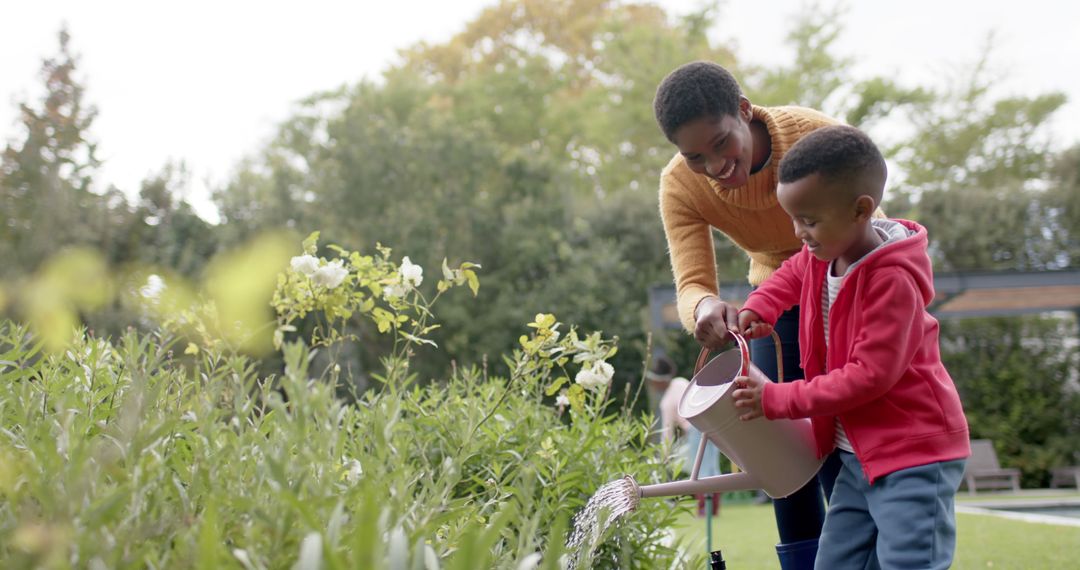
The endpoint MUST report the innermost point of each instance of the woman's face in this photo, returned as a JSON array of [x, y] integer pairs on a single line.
[[721, 148]]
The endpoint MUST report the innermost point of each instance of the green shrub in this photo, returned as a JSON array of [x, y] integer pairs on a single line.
[[1017, 379], [128, 454]]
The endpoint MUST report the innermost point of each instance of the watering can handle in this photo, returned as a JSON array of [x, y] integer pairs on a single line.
[[744, 348]]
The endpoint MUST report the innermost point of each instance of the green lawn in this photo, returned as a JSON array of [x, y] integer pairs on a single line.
[[747, 535]]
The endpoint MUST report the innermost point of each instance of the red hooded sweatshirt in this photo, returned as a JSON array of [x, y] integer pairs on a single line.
[[882, 372]]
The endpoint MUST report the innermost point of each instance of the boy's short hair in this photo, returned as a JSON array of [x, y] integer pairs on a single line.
[[839, 154], [694, 90]]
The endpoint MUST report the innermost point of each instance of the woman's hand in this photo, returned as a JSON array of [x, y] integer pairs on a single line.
[[752, 326], [713, 321]]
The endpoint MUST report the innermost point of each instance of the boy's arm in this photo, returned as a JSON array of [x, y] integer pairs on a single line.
[[882, 352], [781, 290]]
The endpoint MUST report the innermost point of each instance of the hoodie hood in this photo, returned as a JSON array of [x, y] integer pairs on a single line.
[[905, 247]]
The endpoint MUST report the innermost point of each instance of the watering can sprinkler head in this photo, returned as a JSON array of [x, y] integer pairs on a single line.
[[633, 492]]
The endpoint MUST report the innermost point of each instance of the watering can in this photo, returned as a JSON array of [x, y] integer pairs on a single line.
[[777, 456]]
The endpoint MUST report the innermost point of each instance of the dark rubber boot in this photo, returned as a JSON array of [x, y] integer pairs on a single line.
[[797, 555]]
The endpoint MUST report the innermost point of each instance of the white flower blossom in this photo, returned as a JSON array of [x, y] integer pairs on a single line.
[[306, 264], [330, 275], [310, 553], [530, 562], [411, 274], [562, 401], [243, 557], [355, 471], [394, 291], [589, 379], [595, 376]]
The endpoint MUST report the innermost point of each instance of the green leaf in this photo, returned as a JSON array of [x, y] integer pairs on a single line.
[[474, 282], [554, 387], [210, 547], [576, 395], [311, 242]]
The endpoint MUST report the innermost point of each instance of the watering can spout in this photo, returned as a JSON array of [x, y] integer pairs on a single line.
[[741, 481]]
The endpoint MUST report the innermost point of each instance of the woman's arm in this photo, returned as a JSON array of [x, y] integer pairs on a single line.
[[693, 262]]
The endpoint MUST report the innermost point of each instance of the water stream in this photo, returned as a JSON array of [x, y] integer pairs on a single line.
[[610, 503]]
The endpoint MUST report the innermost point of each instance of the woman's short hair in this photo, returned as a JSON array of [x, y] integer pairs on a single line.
[[694, 90]]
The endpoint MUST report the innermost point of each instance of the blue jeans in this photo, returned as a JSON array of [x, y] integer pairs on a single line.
[[800, 515], [906, 519]]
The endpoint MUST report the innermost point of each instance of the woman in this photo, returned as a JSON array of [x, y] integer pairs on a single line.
[[724, 177]]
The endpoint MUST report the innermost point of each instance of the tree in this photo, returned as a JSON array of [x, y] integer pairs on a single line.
[[45, 177], [165, 231], [47, 180], [969, 149], [1063, 202], [521, 143]]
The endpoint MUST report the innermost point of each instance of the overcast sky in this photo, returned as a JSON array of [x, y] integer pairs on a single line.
[[206, 81]]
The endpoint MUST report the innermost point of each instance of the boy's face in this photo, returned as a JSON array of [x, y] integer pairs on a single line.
[[719, 147], [825, 219]]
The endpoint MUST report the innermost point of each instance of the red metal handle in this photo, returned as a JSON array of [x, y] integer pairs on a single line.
[[744, 350]]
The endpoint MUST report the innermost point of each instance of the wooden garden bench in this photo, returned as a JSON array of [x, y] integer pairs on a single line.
[[1065, 477], [984, 472]]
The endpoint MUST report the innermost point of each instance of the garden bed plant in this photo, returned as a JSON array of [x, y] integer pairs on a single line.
[[168, 448]]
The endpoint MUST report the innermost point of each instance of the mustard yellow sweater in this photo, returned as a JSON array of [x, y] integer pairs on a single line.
[[750, 216]]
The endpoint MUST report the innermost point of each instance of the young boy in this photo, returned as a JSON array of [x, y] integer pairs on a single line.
[[875, 387]]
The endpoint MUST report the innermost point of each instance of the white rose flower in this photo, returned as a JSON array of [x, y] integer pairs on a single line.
[[411, 274], [562, 401], [306, 264], [330, 275], [595, 376], [394, 291], [355, 471], [588, 379], [604, 369]]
